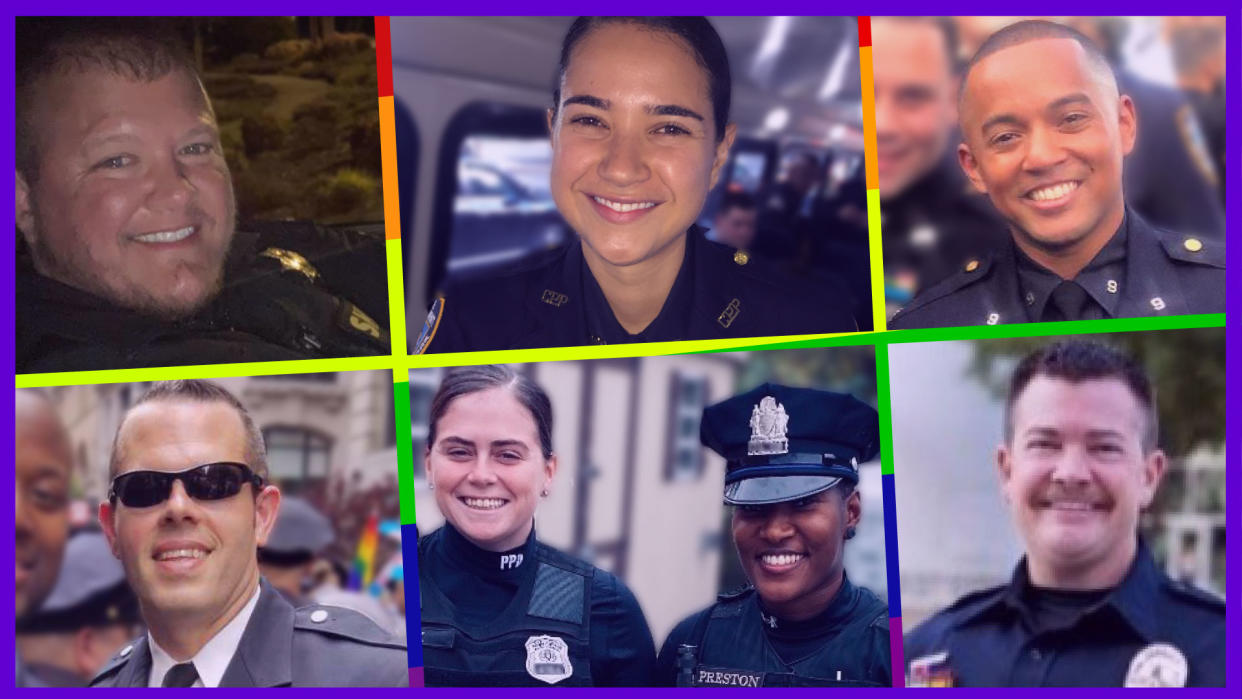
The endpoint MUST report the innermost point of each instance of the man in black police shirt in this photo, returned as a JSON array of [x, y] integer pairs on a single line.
[[1045, 133], [1087, 606], [128, 255], [793, 456]]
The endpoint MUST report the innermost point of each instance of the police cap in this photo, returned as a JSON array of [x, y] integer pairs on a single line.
[[91, 590], [300, 533], [784, 443]]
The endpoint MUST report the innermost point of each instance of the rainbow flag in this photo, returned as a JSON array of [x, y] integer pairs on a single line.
[[364, 559]]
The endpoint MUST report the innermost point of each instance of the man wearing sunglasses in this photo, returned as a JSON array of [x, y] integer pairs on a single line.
[[188, 506]]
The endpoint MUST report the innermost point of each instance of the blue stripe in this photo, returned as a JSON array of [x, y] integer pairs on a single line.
[[890, 547]]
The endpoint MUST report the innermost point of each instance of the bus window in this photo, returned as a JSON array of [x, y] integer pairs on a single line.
[[496, 164]]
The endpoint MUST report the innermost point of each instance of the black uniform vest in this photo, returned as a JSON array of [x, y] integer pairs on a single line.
[[542, 637], [728, 647]]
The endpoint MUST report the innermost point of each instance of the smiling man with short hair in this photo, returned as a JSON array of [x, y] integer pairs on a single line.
[[187, 509], [1087, 606], [1045, 132]]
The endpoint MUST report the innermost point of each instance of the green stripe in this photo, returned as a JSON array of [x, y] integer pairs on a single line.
[[885, 407], [405, 450]]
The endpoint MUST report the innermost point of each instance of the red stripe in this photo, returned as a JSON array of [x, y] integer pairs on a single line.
[[383, 56], [864, 31]]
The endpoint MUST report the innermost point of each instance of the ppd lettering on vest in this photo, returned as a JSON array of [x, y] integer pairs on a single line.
[[510, 561], [728, 678]]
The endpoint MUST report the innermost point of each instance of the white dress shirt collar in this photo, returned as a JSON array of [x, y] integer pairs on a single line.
[[213, 658]]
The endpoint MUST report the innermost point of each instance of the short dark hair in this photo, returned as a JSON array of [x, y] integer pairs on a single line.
[[198, 391], [736, 200], [699, 35], [1077, 360], [139, 48], [471, 379], [1032, 30]]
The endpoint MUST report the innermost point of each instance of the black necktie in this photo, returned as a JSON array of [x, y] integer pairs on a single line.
[[1068, 302], [180, 675]]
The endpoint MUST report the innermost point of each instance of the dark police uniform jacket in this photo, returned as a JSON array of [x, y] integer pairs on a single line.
[[1159, 273], [556, 302], [275, 304], [287, 647], [567, 624], [985, 638], [729, 645]]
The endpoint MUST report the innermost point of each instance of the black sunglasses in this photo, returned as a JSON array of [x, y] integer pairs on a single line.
[[207, 482]]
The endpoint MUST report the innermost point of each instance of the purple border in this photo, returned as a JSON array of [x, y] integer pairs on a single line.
[[1102, 7]]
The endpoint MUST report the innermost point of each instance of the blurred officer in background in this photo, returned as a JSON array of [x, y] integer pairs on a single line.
[[640, 132], [90, 615], [932, 220], [498, 607], [43, 463], [128, 253], [736, 221], [1087, 605], [1045, 134], [188, 506], [1198, 47], [288, 558], [793, 456]]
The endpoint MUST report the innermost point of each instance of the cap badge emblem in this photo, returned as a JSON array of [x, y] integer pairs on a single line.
[[769, 429]]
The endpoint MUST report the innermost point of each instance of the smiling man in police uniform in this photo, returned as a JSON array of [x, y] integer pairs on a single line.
[[188, 506], [128, 254], [1045, 133], [1087, 605], [793, 456]]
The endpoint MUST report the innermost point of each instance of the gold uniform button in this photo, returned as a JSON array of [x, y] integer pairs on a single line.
[[1192, 244], [741, 257], [972, 265]]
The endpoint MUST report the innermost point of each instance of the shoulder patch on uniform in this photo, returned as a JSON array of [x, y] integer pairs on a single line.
[[430, 326], [344, 623], [1192, 249]]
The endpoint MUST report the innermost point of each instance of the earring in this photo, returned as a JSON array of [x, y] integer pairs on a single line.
[[431, 486], [850, 532], [544, 493]]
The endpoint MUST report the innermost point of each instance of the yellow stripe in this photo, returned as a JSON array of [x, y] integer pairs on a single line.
[[876, 253], [396, 298], [205, 371]]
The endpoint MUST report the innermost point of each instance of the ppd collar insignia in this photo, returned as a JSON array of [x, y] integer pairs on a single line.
[[769, 429]]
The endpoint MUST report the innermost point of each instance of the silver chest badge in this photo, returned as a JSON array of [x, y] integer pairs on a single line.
[[769, 429], [1157, 665], [547, 659]]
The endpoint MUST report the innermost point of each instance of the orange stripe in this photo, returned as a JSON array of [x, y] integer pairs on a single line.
[[388, 162], [868, 116]]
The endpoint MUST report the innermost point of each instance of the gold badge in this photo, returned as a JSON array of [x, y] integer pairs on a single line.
[[972, 265], [741, 257], [291, 261], [362, 322]]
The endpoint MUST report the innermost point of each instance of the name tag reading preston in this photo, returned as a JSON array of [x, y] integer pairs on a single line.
[[720, 677]]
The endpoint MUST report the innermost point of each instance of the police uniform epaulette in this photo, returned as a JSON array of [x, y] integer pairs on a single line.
[[344, 623], [735, 594], [971, 271], [1192, 249], [116, 662], [1195, 595]]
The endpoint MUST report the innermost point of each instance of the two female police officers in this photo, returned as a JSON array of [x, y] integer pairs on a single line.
[[793, 456], [640, 134], [499, 608]]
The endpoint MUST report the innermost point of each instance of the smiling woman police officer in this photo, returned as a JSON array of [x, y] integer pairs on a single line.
[[793, 456], [498, 607], [640, 133]]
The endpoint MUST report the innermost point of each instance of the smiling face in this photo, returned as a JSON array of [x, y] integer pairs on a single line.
[[634, 149], [42, 462], [488, 469], [914, 109], [792, 552], [187, 558], [1045, 134], [1076, 477], [132, 201]]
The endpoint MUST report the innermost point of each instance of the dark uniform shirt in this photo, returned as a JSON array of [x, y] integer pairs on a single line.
[[737, 643], [316, 646], [275, 305], [1147, 630], [482, 609], [932, 228], [719, 293], [1162, 274]]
